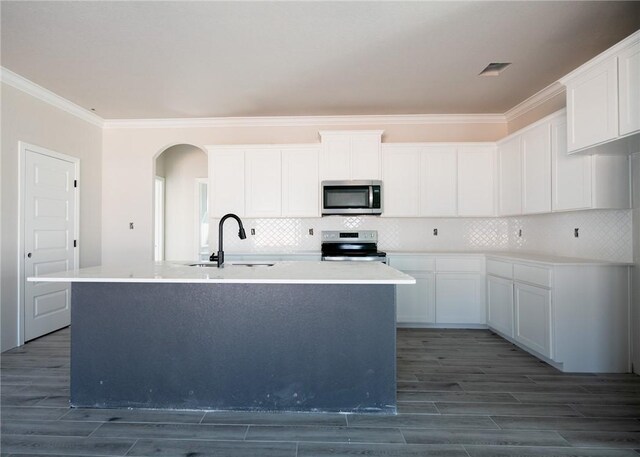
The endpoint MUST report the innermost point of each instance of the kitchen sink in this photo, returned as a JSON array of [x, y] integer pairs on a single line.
[[251, 264], [239, 264]]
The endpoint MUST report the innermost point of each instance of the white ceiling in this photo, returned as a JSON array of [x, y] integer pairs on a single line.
[[218, 59]]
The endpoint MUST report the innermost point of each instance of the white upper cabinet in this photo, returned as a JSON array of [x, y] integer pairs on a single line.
[[586, 181], [300, 184], [401, 174], [536, 169], [571, 187], [629, 89], [348, 154], [263, 182], [592, 106], [226, 182], [476, 169], [365, 156], [421, 180], [335, 157], [603, 99], [439, 181], [524, 168], [510, 177]]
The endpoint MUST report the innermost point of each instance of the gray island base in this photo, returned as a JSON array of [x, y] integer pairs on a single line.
[[242, 347]]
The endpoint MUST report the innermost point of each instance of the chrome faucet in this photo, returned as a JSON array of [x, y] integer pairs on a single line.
[[219, 257]]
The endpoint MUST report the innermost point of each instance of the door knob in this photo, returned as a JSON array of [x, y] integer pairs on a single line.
[[29, 255]]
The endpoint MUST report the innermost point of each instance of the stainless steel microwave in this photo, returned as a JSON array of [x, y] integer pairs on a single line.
[[351, 197]]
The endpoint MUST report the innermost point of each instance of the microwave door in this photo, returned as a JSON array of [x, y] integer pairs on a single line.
[[347, 197]]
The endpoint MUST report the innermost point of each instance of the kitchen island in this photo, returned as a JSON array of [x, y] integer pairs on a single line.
[[291, 336]]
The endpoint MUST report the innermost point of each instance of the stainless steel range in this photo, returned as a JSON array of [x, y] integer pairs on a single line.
[[352, 245]]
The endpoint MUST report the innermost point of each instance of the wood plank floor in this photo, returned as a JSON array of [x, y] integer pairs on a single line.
[[465, 393]]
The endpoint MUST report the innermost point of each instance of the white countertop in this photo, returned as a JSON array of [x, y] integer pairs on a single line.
[[532, 257], [545, 259], [292, 272]]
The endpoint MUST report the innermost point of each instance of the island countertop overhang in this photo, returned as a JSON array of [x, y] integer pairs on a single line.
[[284, 272]]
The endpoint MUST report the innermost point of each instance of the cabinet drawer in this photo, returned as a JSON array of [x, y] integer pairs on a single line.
[[417, 263], [499, 268], [534, 275], [459, 264]]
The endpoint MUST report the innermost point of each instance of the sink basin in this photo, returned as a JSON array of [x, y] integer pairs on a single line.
[[251, 264], [239, 264]]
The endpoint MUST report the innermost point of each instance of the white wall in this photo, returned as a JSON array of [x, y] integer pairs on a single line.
[[26, 118], [635, 309], [182, 165]]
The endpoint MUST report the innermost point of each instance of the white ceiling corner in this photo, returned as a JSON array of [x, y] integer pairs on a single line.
[[14, 80]]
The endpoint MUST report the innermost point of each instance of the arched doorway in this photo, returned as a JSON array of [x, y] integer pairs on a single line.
[[181, 223]]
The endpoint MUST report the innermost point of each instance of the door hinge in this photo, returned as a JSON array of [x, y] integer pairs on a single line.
[[75, 243], [75, 183]]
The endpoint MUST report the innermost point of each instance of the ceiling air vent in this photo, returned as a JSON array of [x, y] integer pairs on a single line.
[[494, 68]]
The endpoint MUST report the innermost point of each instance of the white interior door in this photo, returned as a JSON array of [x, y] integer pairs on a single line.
[[50, 213]]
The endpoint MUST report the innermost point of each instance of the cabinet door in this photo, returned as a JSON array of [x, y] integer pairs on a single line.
[[365, 157], [439, 181], [629, 89], [226, 182], [415, 303], [536, 169], [335, 157], [401, 171], [571, 183], [460, 298], [533, 318], [476, 180], [263, 182], [592, 106], [500, 304], [300, 183], [510, 177]]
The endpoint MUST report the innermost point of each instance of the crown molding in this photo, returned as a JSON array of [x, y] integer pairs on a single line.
[[15, 80], [534, 101], [631, 40], [307, 121], [12, 79]]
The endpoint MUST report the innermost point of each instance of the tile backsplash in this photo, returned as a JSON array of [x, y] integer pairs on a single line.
[[603, 234]]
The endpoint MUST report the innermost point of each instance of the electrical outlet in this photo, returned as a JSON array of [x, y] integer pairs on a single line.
[[130, 225], [435, 232], [253, 231], [311, 231], [576, 232]]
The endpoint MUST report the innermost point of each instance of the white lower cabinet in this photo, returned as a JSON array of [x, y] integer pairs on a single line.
[[574, 316], [500, 304], [532, 317], [448, 290], [416, 303], [459, 298]]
